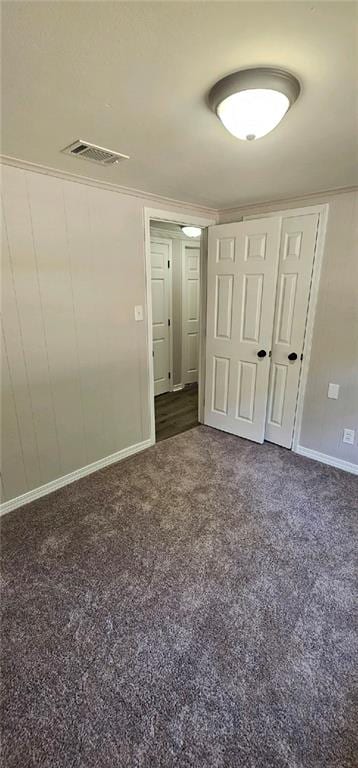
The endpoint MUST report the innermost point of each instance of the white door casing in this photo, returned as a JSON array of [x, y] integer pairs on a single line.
[[297, 249], [190, 312], [161, 255], [242, 271]]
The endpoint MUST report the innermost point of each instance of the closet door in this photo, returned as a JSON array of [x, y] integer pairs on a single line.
[[297, 248], [242, 273]]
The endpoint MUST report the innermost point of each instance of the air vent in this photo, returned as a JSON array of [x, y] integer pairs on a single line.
[[94, 153]]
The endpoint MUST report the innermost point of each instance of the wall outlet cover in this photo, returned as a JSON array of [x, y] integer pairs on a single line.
[[348, 436]]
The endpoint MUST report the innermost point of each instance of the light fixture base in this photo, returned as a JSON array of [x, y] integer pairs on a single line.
[[269, 78]]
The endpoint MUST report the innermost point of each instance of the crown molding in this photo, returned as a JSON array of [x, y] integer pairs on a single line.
[[89, 181], [311, 196], [233, 210]]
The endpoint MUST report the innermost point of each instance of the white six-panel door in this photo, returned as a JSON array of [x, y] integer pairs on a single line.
[[190, 312], [242, 273], [161, 252], [297, 248]]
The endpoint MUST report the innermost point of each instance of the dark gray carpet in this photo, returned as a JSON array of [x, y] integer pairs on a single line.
[[191, 606]]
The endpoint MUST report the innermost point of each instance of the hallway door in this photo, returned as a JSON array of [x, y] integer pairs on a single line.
[[161, 256], [190, 312]]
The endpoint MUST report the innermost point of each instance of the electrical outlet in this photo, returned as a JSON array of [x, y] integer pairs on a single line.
[[333, 391], [348, 436]]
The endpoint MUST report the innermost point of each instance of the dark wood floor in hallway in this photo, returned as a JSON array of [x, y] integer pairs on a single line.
[[176, 412]]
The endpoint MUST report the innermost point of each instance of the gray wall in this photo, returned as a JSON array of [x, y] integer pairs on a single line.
[[334, 356], [74, 361]]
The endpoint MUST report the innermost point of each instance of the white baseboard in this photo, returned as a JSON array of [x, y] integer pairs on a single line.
[[177, 387], [43, 490], [348, 466]]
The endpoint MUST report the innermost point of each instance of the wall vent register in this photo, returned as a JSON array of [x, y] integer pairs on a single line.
[[94, 153]]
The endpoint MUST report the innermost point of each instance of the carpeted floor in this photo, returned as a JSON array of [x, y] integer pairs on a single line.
[[191, 607]]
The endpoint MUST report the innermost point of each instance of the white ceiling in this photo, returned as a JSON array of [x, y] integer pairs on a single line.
[[133, 76]]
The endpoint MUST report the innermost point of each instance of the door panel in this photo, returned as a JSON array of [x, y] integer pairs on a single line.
[[223, 306], [276, 401], [242, 268], [159, 300], [251, 307], [287, 287], [190, 312], [298, 239], [160, 250], [221, 368], [246, 389], [193, 350]]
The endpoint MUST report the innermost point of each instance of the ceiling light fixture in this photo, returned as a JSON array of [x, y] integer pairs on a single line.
[[191, 231], [252, 102]]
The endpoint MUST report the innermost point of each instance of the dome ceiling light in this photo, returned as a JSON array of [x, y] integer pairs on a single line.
[[191, 231], [251, 102]]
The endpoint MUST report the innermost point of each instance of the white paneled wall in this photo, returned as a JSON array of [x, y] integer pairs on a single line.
[[72, 352], [75, 365]]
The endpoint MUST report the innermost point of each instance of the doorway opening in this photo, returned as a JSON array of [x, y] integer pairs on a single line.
[[175, 277], [258, 286]]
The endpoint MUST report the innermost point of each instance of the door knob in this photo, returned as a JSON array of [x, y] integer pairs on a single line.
[[262, 353], [292, 356]]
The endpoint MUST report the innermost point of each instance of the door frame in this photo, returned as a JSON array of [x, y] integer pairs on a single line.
[[322, 211], [171, 217], [153, 214]]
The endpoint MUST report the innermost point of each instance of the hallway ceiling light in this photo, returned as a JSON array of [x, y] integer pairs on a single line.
[[251, 102], [191, 231]]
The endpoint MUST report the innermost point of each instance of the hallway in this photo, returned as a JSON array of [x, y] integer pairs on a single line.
[[176, 412]]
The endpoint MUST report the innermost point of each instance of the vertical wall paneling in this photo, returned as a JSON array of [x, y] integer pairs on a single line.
[[82, 270], [29, 309], [116, 236], [49, 230], [13, 465], [15, 359], [76, 373]]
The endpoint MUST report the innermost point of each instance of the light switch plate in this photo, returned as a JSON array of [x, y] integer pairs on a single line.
[[348, 436], [138, 312], [333, 391]]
